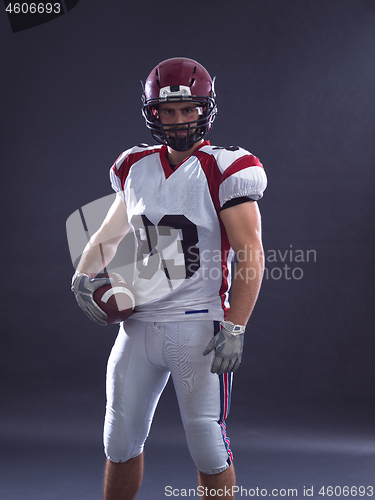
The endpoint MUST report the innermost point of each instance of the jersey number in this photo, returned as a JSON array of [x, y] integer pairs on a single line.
[[150, 248]]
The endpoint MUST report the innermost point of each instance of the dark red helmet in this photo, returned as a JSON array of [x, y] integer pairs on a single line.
[[173, 80]]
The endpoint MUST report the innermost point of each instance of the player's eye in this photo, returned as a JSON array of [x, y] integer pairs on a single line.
[[189, 111]]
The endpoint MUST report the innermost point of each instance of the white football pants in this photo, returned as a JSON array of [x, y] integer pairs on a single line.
[[139, 366]]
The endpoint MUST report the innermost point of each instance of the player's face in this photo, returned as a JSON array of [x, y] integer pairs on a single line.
[[173, 113]]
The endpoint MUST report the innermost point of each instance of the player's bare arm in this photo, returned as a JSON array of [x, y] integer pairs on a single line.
[[99, 251], [102, 246], [243, 226]]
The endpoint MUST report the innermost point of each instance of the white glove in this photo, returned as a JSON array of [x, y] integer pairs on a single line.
[[84, 287], [228, 345]]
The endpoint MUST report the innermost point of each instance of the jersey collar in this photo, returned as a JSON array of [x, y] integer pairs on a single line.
[[164, 158]]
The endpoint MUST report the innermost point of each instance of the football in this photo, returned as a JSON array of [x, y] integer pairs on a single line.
[[116, 300]]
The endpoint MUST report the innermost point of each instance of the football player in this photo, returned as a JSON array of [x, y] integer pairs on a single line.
[[191, 207]]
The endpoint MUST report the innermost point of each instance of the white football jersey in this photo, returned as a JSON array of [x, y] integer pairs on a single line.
[[183, 257]]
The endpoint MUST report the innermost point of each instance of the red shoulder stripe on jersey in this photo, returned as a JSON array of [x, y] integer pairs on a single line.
[[213, 175], [241, 163], [165, 162], [123, 171], [214, 178]]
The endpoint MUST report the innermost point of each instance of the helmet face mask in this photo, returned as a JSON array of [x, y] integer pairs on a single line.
[[179, 80]]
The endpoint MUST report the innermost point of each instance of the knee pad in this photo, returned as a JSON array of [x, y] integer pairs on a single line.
[[208, 445], [118, 447]]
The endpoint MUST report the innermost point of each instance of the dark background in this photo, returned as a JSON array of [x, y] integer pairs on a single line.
[[296, 86]]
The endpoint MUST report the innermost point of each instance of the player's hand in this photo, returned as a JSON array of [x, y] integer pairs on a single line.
[[84, 287], [228, 346]]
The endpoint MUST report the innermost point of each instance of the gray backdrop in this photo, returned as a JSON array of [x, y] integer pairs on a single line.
[[295, 86]]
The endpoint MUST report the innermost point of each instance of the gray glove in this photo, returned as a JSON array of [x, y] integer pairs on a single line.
[[84, 287], [228, 345]]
